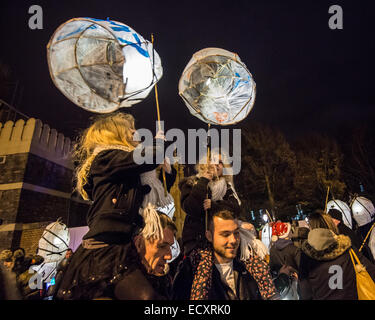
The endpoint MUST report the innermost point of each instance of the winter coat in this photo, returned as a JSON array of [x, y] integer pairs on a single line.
[[284, 253], [193, 193], [116, 192], [246, 286], [315, 272]]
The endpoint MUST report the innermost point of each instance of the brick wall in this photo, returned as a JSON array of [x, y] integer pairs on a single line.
[[13, 169], [39, 207], [9, 202], [48, 174], [30, 239]]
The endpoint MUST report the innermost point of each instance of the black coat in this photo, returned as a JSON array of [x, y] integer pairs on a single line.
[[315, 273], [194, 191], [284, 252], [246, 286], [115, 175]]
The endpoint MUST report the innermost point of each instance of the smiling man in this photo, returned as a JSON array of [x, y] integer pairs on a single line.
[[217, 273], [147, 276]]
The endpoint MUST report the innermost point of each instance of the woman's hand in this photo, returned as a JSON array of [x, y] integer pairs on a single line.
[[166, 166], [160, 135], [207, 204]]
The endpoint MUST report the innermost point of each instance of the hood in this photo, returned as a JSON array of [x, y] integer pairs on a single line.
[[335, 250], [282, 243]]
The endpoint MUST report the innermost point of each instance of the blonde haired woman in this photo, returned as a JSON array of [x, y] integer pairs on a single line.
[[108, 176]]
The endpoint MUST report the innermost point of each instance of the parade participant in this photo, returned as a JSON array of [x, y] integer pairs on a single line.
[[326, 269], [283, 251], [6, 258], [146, 276], [208, 190], [217, 273], [109, 177]]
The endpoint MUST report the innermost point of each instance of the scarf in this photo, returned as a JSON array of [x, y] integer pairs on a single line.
[[202, 262]]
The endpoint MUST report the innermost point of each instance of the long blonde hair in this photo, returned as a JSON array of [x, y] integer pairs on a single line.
[[115, 130]]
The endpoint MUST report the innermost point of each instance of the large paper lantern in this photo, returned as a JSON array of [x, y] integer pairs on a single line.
[[217, 87], [344, 209], [102, 65], [363, 211], [54, 242]]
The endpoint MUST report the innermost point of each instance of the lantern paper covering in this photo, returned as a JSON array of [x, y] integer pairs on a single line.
[[217, 87], [54, 242], [102, 65], [344, 209], [363, 211], [267, 235]]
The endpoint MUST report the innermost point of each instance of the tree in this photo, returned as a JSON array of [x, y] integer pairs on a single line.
[[359, 163], [319, 163], [267, 171]]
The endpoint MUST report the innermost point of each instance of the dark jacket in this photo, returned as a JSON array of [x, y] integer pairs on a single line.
[[315, 272], [246, 286], [115, 175], [137, 284], [284, 252], [194, 191]]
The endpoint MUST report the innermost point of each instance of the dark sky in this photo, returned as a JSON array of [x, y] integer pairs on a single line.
[[309, 77]]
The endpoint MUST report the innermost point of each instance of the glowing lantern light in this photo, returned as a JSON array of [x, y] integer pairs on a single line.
[[217, 87], [267, 235], [363, 211], [54, 242], [344, 209], [102, 65]]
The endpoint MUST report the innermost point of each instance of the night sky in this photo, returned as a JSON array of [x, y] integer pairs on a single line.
[[309, 77]]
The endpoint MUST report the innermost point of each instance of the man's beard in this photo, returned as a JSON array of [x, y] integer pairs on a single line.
[[224, 254]]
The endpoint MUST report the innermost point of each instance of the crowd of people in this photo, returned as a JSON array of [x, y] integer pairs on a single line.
[[126, 254]]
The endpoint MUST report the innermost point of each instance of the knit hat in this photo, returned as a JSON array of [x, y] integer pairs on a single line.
[[280, 230], [335, 214]]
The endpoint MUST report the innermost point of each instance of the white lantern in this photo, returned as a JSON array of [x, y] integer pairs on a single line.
[[102, 65], [344, 209], [217, 87], [267, 235], [54, 242], [363, 211]]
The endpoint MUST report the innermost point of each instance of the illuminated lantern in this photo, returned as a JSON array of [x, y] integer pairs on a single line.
[[54, 242], [344, 209], [102, 65], [217, 87], [267, 235], [371, 242], [52, 247], [363, 211]]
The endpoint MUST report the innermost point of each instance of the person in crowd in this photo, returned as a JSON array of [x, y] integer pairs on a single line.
[[110, 177], [326, 269], [146, 276], [8, 283], [217, 272], [283, 251], [320, 219], [60, 269], [208, 190], [6, 259], [299, 235], [356, 239]]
